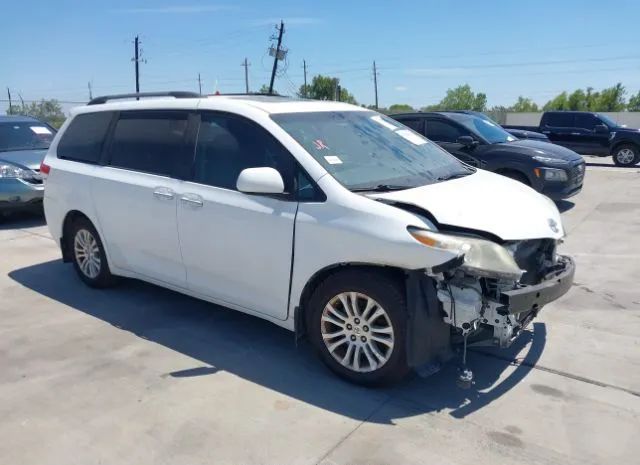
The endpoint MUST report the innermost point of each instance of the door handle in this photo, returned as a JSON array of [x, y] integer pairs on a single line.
[[163, 193], [192, 199], [576, 133]]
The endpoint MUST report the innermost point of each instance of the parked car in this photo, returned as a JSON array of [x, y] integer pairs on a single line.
[[324, 218], [590, 133], [550, 169], [23, 144], [519, 133]]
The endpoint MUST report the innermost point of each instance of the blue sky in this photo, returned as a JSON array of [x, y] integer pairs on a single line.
[[51, 49]]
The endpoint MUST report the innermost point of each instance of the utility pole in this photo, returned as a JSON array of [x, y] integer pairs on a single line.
[[304, 67], [276, 55], [375, 81], [199, 84], [338, 91], [137, 58], [10, 106], [90, 91], [246, 74]]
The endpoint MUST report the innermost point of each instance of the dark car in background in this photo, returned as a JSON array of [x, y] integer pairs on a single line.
[[550, 169], [519, 133], [590, 133], [23, 144]]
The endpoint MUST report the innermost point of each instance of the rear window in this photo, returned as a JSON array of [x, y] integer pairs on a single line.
[[84, 138], [24, 136], [152, 142], [560, 120]]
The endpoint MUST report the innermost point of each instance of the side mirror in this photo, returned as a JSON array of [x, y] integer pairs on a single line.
[[260, 181], [467, 141], [601, 129]]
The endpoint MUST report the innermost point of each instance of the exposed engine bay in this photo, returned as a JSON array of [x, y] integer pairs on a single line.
[[475, 306]]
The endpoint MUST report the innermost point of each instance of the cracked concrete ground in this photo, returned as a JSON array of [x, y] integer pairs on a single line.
[[139, 374]]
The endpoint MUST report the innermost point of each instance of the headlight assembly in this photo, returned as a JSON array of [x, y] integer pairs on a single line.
[[551, 174], [12, 171], [481, 257]]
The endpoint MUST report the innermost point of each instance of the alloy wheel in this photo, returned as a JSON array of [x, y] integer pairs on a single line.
[[357, 332], [87, 253], [625, 156]]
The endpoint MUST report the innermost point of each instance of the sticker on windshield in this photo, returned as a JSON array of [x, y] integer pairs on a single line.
[[320, 145], [333, 160], [40, 130], [411, 136], [378, 119]]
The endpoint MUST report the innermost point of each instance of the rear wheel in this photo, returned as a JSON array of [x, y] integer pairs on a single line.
[[626, 155], [88, 255], [357, 322]]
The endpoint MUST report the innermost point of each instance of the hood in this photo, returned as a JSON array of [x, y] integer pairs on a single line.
[[30, 159], [532, 148], [488, 202], [524, 134], [625, 129]]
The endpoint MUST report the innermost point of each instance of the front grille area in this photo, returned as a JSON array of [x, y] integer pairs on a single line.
[[533, 256]]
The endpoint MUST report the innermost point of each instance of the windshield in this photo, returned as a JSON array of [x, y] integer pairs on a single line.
[[489, 130], [25, 136], [365, 150], [608, 121]]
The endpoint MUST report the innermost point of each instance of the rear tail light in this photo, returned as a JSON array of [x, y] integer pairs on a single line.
[[44, 169]]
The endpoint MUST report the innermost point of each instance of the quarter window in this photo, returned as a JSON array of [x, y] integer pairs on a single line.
[[84, 138], [229, 144], [152, 142]]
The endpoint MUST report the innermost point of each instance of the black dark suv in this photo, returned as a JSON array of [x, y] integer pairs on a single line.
[[548, 168]]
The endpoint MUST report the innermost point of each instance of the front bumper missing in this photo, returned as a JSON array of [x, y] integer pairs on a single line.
[[534, 297]]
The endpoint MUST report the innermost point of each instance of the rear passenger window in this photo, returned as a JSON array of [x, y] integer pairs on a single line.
[[152, 142], [84, 138], [229, 144], [560, 120]]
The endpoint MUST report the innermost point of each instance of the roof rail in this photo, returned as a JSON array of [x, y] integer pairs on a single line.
[[174, 94]]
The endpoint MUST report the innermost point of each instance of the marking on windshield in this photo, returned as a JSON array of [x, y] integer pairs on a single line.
[[378, 119], [333, 160], [40, 130], [320, 145], [411, 136]]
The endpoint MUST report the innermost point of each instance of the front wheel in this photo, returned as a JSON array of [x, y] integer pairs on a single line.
[[626, 155], [357, 322]]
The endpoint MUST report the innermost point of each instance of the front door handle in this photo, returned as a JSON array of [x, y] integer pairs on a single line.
[[576, 133], [192, 199], [163, 193]]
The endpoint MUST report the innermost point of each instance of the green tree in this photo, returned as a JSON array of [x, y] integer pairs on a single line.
[[523, 105], [611, 98], [44, 110], [634, 102], [560, 102], [400, 108], [324, 88], [461, 98], [265, 90]]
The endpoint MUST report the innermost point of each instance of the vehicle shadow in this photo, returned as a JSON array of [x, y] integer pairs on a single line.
[[260, 352], [564, 205], [20, 220]]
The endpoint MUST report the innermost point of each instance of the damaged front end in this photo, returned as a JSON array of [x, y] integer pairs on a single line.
[[492, 291]]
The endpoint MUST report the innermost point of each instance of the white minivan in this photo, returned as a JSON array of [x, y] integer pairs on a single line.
[[324, 218]]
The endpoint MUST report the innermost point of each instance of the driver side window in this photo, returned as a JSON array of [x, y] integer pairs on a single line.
[[443, 131], [228, 144]]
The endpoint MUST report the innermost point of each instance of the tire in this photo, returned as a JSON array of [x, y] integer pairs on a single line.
[[516, 176], [389, 361], [94, 270], [626, 155]]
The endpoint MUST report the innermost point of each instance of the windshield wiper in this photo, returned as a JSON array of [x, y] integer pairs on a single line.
[[380, 188], [453, 176]]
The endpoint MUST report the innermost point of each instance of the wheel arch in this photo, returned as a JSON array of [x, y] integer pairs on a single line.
[[622, 142], [67, 223], [396, 273], [515, 171]]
